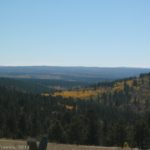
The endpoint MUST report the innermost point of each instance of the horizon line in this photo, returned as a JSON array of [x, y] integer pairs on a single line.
[[75, 66]]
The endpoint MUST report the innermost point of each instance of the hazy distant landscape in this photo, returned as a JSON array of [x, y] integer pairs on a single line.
[[38, 79], [82, 74]]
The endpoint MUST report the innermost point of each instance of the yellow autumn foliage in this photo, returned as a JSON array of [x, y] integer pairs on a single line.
[[82, 94], [91, 92], [119, 86]]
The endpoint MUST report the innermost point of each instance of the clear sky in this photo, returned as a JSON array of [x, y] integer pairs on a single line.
[[104, 33]]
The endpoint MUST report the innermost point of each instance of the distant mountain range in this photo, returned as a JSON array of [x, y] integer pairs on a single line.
[[80, 74]]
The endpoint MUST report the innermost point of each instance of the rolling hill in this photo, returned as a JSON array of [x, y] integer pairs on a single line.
[[80, 74], [138, 88]]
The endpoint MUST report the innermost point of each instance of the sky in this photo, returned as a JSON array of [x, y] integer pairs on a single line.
[[101, 33]]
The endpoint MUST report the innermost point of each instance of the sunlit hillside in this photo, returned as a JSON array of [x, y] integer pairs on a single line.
[[82, 94], [135, 84], [93, 91]]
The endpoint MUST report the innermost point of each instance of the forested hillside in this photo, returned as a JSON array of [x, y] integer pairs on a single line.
[[135, 90], [119, 114], [39, 85]]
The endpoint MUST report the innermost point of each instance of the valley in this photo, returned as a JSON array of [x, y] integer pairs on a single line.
[[101, 114]]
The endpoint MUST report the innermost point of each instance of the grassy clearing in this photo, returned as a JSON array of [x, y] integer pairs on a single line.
[[54, 146]]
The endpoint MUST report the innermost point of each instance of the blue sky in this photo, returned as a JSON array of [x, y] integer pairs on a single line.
[[104, 33]]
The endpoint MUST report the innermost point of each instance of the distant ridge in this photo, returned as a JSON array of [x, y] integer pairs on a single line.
[[75, 73]]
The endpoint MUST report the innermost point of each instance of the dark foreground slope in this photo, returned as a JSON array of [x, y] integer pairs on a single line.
[[110, 119]]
